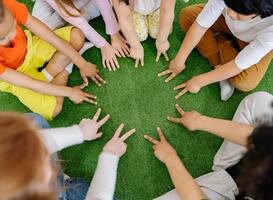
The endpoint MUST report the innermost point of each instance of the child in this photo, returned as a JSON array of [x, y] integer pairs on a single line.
[[57, 13], [27, 172], [22, 53], [248, 137], [235, 36], [140, 18]]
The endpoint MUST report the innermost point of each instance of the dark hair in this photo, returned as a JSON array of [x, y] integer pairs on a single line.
[[2, 9], [125, 1], [263, 8], [256, 172]]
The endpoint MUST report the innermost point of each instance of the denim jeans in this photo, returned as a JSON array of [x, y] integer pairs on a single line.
[[76, 188]]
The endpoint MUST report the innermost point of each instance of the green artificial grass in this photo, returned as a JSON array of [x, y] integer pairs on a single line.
[[142, 100]]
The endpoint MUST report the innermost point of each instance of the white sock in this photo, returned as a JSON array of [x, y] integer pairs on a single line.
[[86, 46], [47, 75], [226, 90]]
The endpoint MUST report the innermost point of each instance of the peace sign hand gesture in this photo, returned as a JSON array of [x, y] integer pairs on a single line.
[[194, 85], [191, 120], [117, 145], [90, 127], [173, 71], [162, 149]]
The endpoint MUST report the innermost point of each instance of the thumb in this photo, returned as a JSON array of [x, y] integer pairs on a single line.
[[85, 81]]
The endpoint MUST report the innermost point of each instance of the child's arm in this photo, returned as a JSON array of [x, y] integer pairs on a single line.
[[21, 80], [166, 22], [126, 24], [86, 69], [229, 130]]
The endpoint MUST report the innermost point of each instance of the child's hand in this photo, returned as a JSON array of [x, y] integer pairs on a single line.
[[194, 85], [162, 48], [119, 43], [109, 59], [137, 53], [90, 127], [89, 70], [117, 145], [162, 149], [78, 96], [173, 70], [191, 120]]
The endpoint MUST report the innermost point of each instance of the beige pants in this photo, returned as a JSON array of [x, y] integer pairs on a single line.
[[218, 185], [224, 48]]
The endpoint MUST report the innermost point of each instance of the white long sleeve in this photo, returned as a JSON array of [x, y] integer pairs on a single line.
[[103, 184], [57, 139]]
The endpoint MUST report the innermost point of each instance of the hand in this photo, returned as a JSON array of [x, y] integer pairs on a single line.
[[191, 120], [137, 53], [162, 149], [162, 48], [116, 145], [174, 70], [109, 58], [193, 86], [90, 127], [120, 45], [89, 70], [78, 96]]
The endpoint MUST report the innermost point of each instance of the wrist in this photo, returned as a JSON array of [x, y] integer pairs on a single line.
[[170, 158]]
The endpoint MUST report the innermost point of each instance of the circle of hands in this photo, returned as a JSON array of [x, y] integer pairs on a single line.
[[117, 146]]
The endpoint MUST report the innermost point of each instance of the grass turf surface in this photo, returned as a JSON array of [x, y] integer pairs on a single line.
[[141, 100]]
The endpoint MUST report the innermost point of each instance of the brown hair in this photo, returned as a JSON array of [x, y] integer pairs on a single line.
[[64, 3], [22, 154], [2, 11], [125, 1]]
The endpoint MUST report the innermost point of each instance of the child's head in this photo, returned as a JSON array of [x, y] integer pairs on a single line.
[[7, 25], [248, 9], [25, 167], [256, 177]]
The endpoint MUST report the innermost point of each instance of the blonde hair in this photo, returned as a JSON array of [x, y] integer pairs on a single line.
[[63, 3], [22, 154]]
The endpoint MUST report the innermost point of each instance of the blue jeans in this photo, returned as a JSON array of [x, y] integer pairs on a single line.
[[76, 188]]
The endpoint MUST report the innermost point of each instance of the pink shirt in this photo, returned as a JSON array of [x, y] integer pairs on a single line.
[[80, 22]]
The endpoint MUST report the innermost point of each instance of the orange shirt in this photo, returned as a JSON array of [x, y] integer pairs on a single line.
[[14, 55]]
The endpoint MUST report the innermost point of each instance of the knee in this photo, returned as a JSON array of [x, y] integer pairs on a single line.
[[77, 38], [243, 85], [57, 110]]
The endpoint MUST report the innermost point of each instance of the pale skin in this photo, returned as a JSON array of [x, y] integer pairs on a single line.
[[126, 23], [56, 66], [177, 65], [184, 183]]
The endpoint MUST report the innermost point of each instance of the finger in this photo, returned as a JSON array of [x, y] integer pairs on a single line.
[[166, 56], [103, 63], [160, 133], [181, 93], [168, 71], [95, 81], [112, 63], [91, 96], [180, 86], [150, 139], [174, 120], [158, 56], [108, 65], [172, 76], [118, 131], [127, 51], [136, 63], [104, 120], [117, 52], [179, 109], [85, 81], [98, 135], [97, 115], [86, 99], [123, 52], [100, 79], [142, 62], [128, 134], [116, 62], [82, 86]]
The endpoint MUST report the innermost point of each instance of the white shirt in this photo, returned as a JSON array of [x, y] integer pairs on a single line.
[[144, 7], [258, 32]]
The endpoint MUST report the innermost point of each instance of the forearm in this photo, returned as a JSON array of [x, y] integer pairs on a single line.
[[41, 30], [166, 20], [229, 130], [185, 185], [223, 72], [103, 184], [193, 36]]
